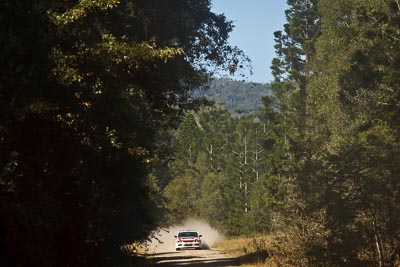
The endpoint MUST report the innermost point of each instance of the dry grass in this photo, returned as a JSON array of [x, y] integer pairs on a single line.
[[250, 251]]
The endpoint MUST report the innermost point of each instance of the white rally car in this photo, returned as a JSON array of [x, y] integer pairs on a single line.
[[187, 239]]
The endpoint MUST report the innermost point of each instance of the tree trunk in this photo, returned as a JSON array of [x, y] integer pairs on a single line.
[[378, 244]]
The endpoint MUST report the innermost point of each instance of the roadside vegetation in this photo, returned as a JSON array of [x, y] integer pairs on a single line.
[[249, 251]]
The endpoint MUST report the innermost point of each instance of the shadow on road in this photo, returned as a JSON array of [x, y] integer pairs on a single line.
[[222, 262], [176, 258], [194, 258], [205, 258], [164, 253]]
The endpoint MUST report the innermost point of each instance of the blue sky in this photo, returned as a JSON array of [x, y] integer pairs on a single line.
[[255, 22]]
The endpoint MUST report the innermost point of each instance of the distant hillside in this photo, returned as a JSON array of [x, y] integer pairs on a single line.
[[235, 96]]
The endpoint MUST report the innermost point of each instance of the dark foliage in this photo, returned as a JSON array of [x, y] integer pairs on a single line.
[[85, 88]]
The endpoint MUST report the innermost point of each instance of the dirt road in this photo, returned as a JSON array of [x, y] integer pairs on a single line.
[[194, 258]]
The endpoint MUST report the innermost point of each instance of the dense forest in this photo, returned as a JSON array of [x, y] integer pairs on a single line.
[[237, 96], [88, 89], [102, 141], [316, 169]]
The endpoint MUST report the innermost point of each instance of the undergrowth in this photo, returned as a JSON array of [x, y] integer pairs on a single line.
[[250, 251]]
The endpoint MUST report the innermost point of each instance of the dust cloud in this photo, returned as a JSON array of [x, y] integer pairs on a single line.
[[164, 241]]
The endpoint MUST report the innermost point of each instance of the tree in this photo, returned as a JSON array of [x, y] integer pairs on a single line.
[[286, 110], [295, 48]]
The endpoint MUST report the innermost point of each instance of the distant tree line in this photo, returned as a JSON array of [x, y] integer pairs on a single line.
[[317, 168], [238, 97]]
